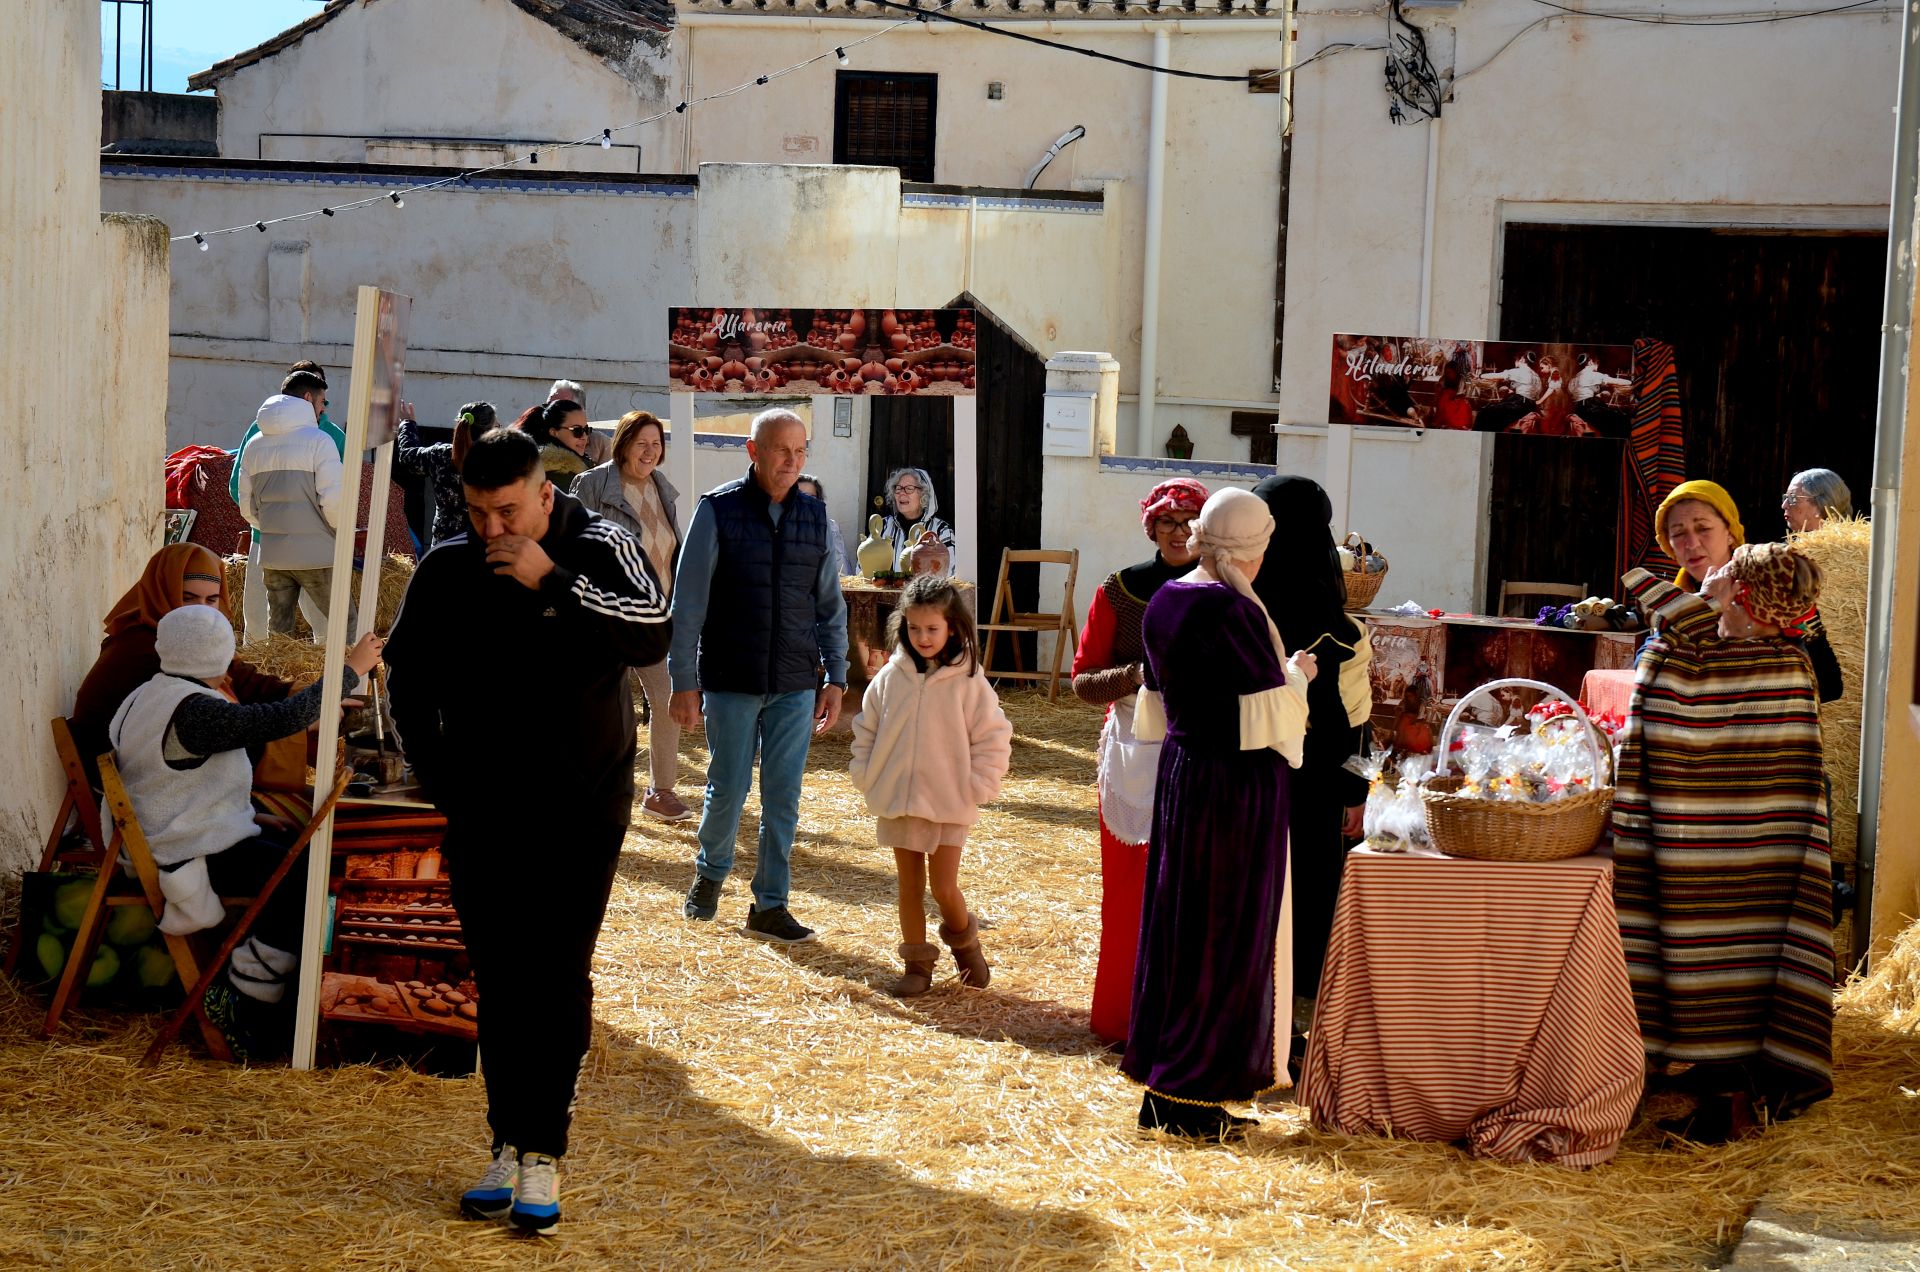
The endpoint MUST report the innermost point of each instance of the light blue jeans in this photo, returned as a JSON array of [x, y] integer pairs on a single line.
[[780, 726]]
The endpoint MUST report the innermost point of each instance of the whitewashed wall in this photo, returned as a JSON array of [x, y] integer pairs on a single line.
[[514, 283], [83, 306], [439, 68]]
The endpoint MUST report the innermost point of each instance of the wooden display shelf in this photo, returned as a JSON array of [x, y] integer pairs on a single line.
[[413, 947]]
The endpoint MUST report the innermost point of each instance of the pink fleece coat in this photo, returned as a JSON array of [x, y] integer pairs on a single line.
[[933, 745]]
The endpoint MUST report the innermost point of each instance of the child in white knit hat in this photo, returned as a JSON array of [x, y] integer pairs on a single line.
[[182, 746]]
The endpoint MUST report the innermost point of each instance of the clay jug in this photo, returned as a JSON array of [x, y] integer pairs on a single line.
[[875, 554], [928, 555]]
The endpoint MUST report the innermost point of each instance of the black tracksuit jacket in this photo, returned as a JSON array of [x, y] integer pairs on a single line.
[[508, 698]]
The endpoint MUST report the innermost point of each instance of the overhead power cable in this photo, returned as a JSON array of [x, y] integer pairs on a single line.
[[924, 15], [1712, 20]]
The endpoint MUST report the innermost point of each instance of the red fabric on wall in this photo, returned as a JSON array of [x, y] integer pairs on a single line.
[[1654, 460]]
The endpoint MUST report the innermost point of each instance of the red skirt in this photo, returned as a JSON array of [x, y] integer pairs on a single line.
[[1123, 880]]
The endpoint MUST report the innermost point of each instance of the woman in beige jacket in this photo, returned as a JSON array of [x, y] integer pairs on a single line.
[[930, 746]]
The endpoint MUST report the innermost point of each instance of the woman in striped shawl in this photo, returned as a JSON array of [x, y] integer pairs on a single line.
[[1721, 870]]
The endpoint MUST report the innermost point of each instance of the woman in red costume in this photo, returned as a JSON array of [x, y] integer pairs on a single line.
[[1107, 671]]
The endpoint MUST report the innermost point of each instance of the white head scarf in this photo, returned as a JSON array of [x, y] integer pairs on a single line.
[[1235, 525]]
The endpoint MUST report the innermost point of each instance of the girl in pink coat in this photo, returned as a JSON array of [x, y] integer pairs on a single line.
[[930, 746]]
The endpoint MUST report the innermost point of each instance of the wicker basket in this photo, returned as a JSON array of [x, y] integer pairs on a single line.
[[1361, 586], [1497, 830]]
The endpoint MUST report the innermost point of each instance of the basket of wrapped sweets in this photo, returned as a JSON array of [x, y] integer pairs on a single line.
[[1362, 570], [1535, 795]]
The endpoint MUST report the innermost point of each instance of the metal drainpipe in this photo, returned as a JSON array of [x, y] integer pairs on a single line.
[[1896, 332], [1150, 268], [686, 117]]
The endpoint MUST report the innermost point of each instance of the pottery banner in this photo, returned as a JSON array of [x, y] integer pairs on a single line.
[[834, 352], [1483, 386]]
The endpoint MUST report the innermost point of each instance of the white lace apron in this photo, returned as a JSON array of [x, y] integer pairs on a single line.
[[1128, 768]]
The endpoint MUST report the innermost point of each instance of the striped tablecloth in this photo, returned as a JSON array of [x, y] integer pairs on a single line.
[[1478, 1001]]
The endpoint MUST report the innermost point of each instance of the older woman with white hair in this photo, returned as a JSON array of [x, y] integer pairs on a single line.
[[1812, 496], [911, 501], [1215, 932]]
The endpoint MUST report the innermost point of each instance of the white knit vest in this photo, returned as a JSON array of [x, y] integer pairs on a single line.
[[184, 813]]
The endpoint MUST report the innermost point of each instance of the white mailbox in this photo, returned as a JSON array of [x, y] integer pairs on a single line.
[[1066, 421]]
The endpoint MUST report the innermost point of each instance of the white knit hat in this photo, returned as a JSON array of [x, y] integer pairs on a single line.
[[1235, 525], [194, 640]]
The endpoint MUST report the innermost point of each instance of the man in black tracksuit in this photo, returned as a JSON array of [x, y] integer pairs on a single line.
[[537, 582]]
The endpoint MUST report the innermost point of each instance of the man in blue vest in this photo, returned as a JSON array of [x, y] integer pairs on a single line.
[[760, 651]]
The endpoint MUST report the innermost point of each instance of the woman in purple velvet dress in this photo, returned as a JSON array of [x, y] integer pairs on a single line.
[[1215, 945]]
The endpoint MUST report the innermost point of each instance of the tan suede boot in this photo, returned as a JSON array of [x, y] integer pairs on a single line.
[[965, 945], [918, 977]]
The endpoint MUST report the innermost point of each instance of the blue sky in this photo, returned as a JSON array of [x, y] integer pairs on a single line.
[[191, 35]]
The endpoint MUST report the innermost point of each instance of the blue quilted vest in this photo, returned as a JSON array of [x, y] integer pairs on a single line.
[[759, 635]]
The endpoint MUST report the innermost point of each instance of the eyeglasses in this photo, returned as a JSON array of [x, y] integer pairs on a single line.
[[574, 430], [1162, 525], [1792, 500], [906, 489]]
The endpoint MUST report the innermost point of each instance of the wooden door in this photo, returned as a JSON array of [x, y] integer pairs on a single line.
[[918, 431], [1775, 339]]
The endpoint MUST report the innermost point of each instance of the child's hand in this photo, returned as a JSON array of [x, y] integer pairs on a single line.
[[365, 654]]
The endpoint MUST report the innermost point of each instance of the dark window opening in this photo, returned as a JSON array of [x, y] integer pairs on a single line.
[[886, 120]]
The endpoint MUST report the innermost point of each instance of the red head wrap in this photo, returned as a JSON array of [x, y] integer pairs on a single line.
[[1174, 495]]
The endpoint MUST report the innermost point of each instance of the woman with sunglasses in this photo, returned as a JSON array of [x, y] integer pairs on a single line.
[[561, 429]]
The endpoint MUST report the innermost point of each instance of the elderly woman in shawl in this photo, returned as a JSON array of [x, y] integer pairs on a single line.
[[178, 574], [1299, 583], [910, 502], [1108, 668], [1722, 877], [1216, 944]]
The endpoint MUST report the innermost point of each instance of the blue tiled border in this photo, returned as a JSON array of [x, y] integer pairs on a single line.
[[375, 181], [1001, 203], [1186, 467]]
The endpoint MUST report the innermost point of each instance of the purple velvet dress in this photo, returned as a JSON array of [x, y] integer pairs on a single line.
[[1203, 988]]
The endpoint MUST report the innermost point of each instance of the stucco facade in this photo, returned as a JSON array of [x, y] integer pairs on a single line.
[[83, 376]]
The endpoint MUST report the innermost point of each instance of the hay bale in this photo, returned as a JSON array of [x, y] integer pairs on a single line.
[[1891, 991], [1840, 547], [395, 574]]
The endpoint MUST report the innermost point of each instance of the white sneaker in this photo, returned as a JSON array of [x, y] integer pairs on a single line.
[[492, 1197], [536, 1200]]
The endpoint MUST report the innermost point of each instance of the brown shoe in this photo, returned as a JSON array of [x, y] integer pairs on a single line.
[[918, 978], [965, 945], [665, 805]]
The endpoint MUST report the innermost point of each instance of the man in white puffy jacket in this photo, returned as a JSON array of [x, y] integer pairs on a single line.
[[290, 493]]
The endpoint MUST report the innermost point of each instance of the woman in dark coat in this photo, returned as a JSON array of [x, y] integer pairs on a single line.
[[1299, 583]]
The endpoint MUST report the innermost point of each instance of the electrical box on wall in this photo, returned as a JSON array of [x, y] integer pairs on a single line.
[[1066, 424]]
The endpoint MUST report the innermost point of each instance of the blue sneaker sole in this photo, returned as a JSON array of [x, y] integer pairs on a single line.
[[539, 1225], [483, 1207]]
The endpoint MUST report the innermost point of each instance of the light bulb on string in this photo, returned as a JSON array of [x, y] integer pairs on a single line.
[[842, 55], [326, 211], [606, 139], [201, 239], [398, 202], [761, 80]]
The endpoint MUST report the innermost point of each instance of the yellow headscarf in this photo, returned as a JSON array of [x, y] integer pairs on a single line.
[[1714, 496]]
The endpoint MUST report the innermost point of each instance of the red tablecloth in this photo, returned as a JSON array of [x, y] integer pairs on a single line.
[[1607, 692], [1477, 1001]]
